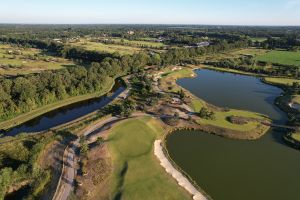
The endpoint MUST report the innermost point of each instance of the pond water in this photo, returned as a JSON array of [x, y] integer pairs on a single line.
[[265, 169], [65, 114]]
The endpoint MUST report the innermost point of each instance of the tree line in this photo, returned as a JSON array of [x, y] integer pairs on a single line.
[[25, 93]]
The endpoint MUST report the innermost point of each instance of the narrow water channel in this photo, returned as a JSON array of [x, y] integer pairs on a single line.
[[265, 169], [65, 114]]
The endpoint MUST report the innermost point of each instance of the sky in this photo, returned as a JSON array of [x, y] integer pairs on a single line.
[[204, 12]]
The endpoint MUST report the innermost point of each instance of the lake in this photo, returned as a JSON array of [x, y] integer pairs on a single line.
[[265, 169]]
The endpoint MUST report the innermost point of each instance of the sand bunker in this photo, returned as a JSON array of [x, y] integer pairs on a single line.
[[178, 176]]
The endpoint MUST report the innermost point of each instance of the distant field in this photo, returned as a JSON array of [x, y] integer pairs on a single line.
[[137, 173], [109, 48], [15, 60], [139, 42], [233, 54], [281, 57], [258, 39], [282, 81]]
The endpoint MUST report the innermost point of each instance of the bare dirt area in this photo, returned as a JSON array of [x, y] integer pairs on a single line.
[[52, 159], [93, 185]]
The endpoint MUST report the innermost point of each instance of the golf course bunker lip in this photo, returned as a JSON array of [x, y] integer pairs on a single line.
[[179, 177]]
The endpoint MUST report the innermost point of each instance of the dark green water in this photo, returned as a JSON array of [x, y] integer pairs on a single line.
[[265, 169]]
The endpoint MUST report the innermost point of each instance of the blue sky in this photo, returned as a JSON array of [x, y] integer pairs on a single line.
[[224, 12]]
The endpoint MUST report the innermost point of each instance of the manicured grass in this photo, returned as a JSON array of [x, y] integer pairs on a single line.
[[12, 65], [42, 110], [109, 48], [281, 81], [196, 104], [281, 57], [221, 120], [170, 76], [137, 173], [296, 136]]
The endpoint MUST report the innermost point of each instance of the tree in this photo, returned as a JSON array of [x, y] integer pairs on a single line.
[[84, 148], [181, 94], [99, 140]]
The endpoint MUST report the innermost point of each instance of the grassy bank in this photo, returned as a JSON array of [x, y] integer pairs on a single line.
[[42, 110], [137, 173], [281, 81]]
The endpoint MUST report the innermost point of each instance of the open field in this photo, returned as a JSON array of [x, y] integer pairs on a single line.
[[281, 57], [42, 110], [15, 60], [138, 42], [258, 39], [233, 54], [270, 56], [281, 81], [137, 173], [109, 48]]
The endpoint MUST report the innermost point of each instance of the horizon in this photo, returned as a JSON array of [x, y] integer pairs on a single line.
[[176, 12]]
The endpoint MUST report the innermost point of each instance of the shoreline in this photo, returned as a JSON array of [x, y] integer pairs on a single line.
[[25, 117], [182, 181]]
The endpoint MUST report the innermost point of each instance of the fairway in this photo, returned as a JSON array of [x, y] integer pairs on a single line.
[[137, 173], [281, 57], [15, 60]]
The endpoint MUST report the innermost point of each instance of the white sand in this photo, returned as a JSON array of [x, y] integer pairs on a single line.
[[181, 180]]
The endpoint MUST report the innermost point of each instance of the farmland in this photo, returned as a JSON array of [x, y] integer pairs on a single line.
[[15, 60]]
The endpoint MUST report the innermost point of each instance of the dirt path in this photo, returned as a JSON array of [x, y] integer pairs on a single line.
[[69, 171]]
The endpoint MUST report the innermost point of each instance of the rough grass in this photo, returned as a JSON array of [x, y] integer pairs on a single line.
[[296, 136], [281, 81], [139, 42], [20, 64], [281, 57], [109, 48], [44, 109], [258, 39], [296, 99], [137, 173]]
